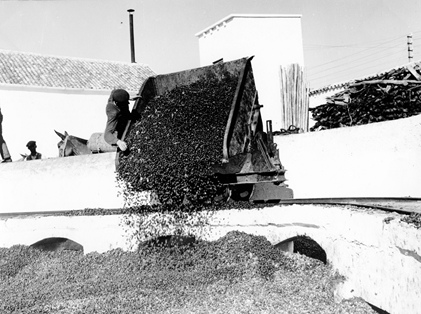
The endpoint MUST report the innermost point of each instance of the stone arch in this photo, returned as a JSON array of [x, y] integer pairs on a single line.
[[57, 244], [304, 245]]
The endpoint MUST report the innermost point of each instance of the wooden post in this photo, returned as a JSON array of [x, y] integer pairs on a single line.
[[410, 51], [294, 97]]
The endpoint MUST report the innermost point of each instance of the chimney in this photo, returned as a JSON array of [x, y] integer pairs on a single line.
[[131, 35]]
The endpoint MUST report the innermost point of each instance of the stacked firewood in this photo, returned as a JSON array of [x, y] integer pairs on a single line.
[[393, 95]]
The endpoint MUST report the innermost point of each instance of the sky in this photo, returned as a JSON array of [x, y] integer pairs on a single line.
[[342, 39]]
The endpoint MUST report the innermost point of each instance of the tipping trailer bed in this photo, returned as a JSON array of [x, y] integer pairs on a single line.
[[250, 165]]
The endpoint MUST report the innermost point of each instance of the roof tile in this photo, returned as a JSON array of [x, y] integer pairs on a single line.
[[30, 69]]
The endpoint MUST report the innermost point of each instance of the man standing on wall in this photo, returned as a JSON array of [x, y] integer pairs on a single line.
[[118, 114], [4, 152]]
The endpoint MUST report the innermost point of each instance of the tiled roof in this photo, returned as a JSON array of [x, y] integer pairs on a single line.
[[21, 68], [345, 84]]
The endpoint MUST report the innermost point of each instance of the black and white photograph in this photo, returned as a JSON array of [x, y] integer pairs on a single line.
[[210, 156]]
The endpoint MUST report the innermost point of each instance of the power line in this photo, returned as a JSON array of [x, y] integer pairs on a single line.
[[379, 61], [379, 40], [318, 81], [328, 47], [369, 67], [341, 59], [348, 63], [360, 45]]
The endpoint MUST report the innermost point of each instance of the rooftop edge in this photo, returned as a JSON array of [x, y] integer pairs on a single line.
[[232, 16]]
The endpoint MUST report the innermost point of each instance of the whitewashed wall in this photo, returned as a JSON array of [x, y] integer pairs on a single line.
[[34, 114], [58, 184], [273, 40], [374, 160]]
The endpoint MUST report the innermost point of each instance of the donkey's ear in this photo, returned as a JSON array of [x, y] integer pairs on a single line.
[[59, 134]]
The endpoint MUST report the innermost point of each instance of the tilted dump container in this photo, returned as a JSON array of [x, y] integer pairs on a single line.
[[250, 164]]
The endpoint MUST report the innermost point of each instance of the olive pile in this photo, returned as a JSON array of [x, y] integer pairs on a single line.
[[413, 219], [368, 103], [177, 141], [238, 273], [11, 264]]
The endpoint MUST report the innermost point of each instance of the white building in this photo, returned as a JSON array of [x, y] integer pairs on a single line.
[[40, 94], [274, 41]]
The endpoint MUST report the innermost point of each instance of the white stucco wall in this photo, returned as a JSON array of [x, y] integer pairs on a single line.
[[273, 40], [94, 233], [34, 114], [374, 160], [58, 184]]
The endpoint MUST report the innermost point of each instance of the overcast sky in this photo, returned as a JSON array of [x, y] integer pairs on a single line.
[[342, 39]]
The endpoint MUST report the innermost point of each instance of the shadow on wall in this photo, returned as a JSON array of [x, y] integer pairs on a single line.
[[304, 245], [57, 244]]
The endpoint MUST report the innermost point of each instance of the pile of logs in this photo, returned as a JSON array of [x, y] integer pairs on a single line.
[[393, 95]]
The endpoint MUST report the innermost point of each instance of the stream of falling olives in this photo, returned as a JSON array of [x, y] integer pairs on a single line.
[[176, 143]]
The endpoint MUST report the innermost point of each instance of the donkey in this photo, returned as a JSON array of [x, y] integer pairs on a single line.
[[71, 145]]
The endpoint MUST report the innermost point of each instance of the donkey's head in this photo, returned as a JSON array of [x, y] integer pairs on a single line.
[[64, 149], [71, 145]]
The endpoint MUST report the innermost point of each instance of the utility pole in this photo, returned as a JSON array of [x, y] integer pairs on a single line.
[[410, 51], [131, 35]]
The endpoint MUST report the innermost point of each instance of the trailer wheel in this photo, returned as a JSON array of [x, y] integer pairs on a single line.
[[241, 192]]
